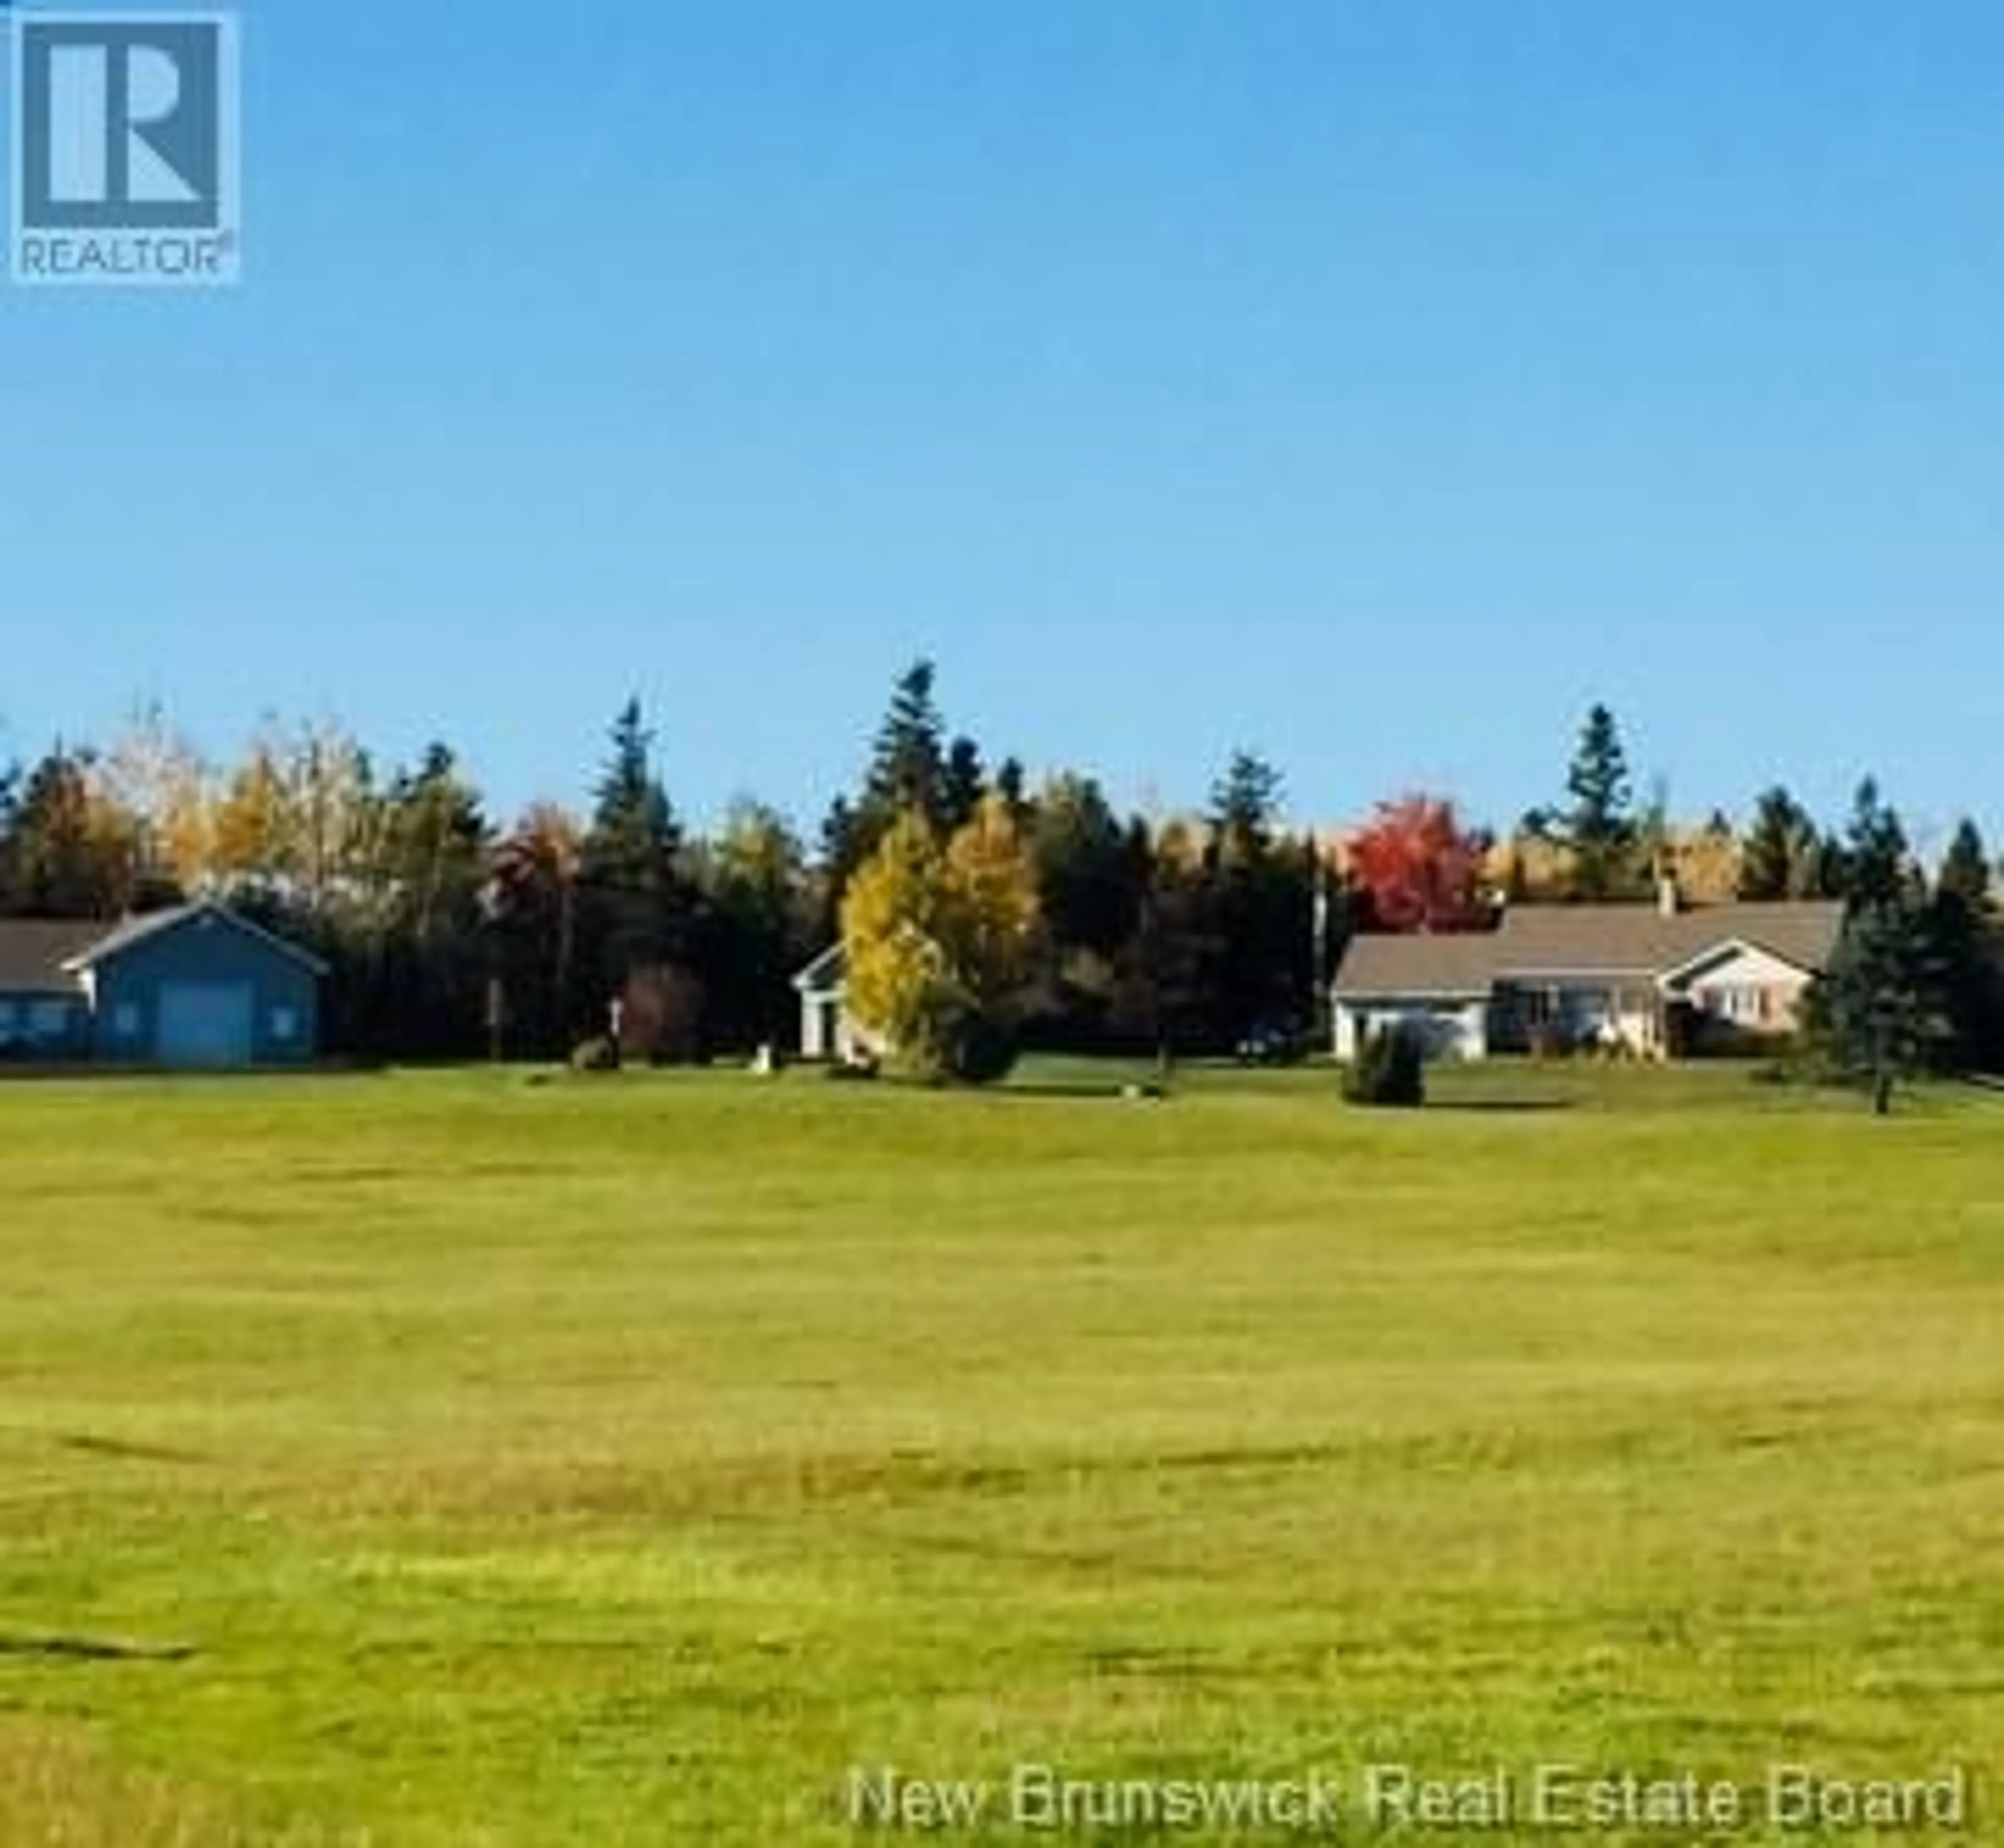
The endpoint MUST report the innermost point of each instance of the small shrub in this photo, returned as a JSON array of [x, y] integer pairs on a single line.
[[600, 1054], [660, 1017], [1389, 1071], [979, 1050], [1550, 1040]]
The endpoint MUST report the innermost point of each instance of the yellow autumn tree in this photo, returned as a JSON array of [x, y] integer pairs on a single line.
[[898, 987], [941, 945], [255, 834], [992, 917], [152, 773]]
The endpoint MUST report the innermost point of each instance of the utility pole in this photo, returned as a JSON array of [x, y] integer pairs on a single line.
[[490, 902], [1320, 1009]]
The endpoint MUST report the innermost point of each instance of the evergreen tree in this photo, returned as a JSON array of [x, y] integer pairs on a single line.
[[1599, 823], [1783, 856], [1087, 871], [536, 915], [912, 771], [844, 845], [439, 842], [1875, 1015], [1963, 921], [439, 956], [1878, 867], [70, 854], [1878, 1014], [1965, 874], [760, 925], [1245, 806], [963, 783], [1011, 784], [1162, 987], [908, 766], [1262, 907], [10, 813], [638, 907]]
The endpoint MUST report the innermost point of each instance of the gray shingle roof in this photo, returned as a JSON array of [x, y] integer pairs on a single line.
[[1592, 941], [1641, 940], [33, 953], [1456, 967]]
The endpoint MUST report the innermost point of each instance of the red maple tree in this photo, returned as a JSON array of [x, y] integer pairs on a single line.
[[1418, 867]]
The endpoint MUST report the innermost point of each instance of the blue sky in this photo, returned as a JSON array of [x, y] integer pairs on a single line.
[[1374, 384]]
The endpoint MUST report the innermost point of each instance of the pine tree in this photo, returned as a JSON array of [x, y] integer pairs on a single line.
[[1877, 860], [963, 783], [1599, 826], [758, 926], [10, 811], [638, 907], [439, 957], [1963, 921], [1783, 856], [1878, 1014], [70, 853], [1875, 1015], [1086, 873], [1245, 807], [908, 766], [1011, 784], [1260, 905], [1162, 991], [1965, 874], [912, 770]]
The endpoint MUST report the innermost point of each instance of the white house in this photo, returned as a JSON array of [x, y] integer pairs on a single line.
[[827, 1030], [824, 1020], [1444, 985], [1659, 980]]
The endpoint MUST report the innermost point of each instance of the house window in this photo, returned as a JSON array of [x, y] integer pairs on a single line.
[[285, 1025], [6, 1017], [48, 1019], [125, 1021], [1745, 1006]]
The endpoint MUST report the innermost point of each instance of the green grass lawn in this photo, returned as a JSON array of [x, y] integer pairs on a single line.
[[458, 1459]]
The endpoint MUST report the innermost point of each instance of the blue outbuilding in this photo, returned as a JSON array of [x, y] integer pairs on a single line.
[[197, 988]]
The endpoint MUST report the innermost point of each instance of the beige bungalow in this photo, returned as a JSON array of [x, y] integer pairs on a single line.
[[1658, 980]]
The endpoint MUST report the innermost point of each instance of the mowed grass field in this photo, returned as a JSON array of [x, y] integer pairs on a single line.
[[464, 1459]]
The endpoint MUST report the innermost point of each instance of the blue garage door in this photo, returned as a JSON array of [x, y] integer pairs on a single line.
[[207, 1024]]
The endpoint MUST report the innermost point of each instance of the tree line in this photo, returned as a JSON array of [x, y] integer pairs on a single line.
[[975, 907]]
